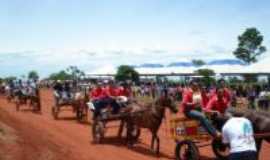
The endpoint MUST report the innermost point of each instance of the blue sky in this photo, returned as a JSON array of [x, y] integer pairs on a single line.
[[49, 35]]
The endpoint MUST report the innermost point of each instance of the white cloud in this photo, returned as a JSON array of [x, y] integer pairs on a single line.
[[52, 60]]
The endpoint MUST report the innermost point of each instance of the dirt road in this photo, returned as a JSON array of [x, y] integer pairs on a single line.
[[35, 136]]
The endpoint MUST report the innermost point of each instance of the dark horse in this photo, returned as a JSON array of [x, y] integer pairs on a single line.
[[150, 117], [34, 100], [260, 122]]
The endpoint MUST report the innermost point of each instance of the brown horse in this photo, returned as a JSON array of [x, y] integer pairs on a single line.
[[260, 121], [150, 117]]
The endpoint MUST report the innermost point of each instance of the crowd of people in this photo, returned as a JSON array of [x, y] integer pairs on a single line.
[[21, 87], [195, 102]]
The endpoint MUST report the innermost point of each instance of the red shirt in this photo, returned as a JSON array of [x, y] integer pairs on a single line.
[[124, 92], [96, 93], [226, 93], [218, 105], [205, 99], [188, 98], [111, 91]]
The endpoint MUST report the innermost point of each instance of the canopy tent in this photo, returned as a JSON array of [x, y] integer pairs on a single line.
[[262, 67]]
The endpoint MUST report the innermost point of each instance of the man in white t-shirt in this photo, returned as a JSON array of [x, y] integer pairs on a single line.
[[238, 133]]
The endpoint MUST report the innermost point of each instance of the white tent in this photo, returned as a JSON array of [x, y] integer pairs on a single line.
[[262, 66]]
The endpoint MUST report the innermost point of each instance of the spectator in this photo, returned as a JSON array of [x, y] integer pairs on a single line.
[[238, 134]]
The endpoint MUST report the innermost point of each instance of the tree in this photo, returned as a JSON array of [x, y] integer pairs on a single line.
[[125, 72], [206, 74], [250, 77], [198, 62], [61, 75], [250, 46], [10, 78], [33, 75], [75, 72]]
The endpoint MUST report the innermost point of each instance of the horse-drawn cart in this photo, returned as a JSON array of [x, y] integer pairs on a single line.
[[99, 123], [189, 136], [31, 95], [61, 100]]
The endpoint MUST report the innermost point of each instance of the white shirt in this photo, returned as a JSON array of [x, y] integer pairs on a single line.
[[238, 133], [197, 98]]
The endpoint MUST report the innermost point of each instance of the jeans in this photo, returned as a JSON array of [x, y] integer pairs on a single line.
[[104, 102], [199, 116], [246, 155], [112, 102], [98, 104]]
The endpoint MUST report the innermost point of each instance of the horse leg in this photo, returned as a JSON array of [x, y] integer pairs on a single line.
[[129, 139], [157, 149], [122, 123], [153, 142], [258, 146]]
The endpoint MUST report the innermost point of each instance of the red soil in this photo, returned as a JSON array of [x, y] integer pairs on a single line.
[[40, 137]]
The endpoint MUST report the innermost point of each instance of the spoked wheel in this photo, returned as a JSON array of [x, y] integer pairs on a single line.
[[221, 151], [79, 115], [55, 111], [98, 131], [136, 133], [186, 150]]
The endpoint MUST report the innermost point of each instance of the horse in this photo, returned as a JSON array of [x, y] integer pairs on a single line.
[[150, 117], [79, 104], [260, 122], [32, 95], [35, 100]]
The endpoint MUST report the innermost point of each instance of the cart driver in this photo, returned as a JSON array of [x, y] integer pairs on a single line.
[[192, 107]]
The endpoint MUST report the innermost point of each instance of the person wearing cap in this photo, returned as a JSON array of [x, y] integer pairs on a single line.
[[192, 107]]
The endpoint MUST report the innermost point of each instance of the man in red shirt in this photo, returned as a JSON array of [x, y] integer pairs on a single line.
[[217, 106], [218, 103], [226, 90], [96, 96], [96, 93], [125, 90], [192, 107], [111, 92]]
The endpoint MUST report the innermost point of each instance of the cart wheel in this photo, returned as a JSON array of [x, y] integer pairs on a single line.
[[55, 112], [186, 150], [136, 133], [98, 131], [221, 151], [79, 114]]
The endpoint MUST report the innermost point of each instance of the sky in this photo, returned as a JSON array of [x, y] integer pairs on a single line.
[[50, 35]]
